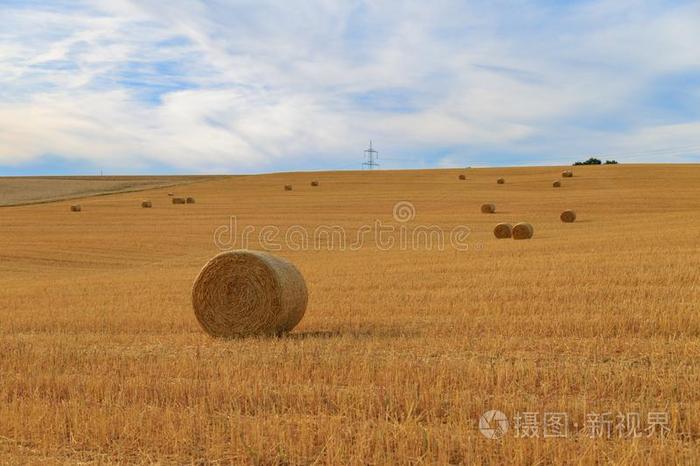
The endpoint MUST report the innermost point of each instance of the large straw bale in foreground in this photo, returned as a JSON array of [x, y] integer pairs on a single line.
[[242, 292], [568, 216], [488, 208], [523, 231], [503, 230]]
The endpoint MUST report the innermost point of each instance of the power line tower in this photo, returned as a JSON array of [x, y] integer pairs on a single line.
[[371, 157]]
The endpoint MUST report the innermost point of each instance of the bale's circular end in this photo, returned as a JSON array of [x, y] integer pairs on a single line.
[[501, 181], [179, 200], [189, 200], [568, 216], [241, 293], [462, 177], [567, 174], [146, 204], [287, 187], [556, 184], [488, 208], [503, 230], [315, 183], [523, 231], [75, 208]]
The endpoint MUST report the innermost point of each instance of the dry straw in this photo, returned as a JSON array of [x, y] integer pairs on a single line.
[[462, 177], [75, 208], [189, 200], [242, 292], [179, 200], [557, 184], [315, 183], [287, 187], [503, 230], [146, 204], [488, 208], [523, 231], [568, 216], [501, 181], [567, 174]]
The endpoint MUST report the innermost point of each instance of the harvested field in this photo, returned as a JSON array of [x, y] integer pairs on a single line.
[[400, 351]]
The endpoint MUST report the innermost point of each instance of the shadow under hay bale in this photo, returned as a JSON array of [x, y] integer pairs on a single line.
[[189, 200], [523, 230], [503, 230], [146, 204], [556, 184], [75, 208], [179, 200], [488, 208], [462, 177], [287, 187], [315, 183], [501, 181], [568, 216], [567, 174], [242, 293]]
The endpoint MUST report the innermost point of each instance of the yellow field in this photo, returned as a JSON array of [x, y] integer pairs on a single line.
[[401, 350]]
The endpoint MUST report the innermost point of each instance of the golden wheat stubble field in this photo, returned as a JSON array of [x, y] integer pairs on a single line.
[[400, 351]]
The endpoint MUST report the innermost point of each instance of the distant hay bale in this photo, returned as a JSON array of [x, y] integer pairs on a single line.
[[171, 194], [146, 204], [503, 230], [287, 187], [189, 200], [568, 216], [488, 208], [315, 183], [243, 292], [567, 174], [556, 184], [75, 208], [501, 181], [462, 177], [523, 231], [179, 200]]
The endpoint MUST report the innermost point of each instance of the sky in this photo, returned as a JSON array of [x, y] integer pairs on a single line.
[[250, 86]]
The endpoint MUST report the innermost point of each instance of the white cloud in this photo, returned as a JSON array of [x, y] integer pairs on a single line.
[[242, 85]]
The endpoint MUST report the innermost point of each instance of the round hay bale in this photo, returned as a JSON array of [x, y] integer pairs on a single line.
[[501, 181], [462, 177], [523, 231], [503, 230], [488, 208], [189, 200], [556, 184], [75, 208], [243, 292], [179, 200], [171, 194], [287, 187], [568, 216], [315, 183], [567, 174], [146, 204]]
